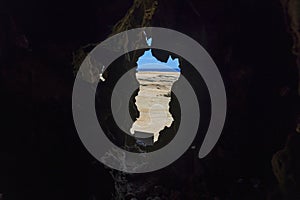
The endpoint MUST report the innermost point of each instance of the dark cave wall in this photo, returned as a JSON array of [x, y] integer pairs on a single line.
[[248, 40], [291, 10]]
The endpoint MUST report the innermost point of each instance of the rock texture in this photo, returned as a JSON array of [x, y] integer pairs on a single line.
[[153, 100], [286, 166], [292, 14]]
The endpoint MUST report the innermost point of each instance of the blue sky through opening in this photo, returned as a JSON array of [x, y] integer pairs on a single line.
[[147, 62]]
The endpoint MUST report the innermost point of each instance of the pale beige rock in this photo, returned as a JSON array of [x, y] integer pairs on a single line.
[[152, 102]]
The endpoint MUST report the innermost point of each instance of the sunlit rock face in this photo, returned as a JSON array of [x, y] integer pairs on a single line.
[[156, 80]]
